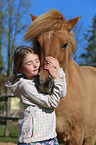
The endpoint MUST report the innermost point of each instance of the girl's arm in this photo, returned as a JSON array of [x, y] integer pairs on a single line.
[[64, 83], [30, 93]]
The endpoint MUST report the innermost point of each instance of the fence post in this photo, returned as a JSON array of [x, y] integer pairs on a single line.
[[7, 115]]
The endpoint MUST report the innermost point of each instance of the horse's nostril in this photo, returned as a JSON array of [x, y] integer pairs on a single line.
[[50, 84]]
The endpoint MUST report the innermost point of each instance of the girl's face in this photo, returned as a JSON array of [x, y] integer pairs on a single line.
[[30, 65]]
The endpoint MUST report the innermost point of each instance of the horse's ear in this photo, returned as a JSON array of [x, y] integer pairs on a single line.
[[72, 22], [33, 17]]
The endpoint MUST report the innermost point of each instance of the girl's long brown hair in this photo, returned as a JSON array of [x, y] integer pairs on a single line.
[[18, 58]]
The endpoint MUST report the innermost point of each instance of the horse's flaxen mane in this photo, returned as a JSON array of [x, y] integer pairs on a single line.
[[72, 45], [52, 20]]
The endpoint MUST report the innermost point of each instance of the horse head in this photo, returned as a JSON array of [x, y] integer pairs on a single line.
[[52, 36]]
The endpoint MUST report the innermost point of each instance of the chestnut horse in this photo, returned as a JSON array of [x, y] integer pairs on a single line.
[[76, 113]]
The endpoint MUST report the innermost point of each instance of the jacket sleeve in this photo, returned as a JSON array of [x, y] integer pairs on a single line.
[[64, 84], [28, 92]]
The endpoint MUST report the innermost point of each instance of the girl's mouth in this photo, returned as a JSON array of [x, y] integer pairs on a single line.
[[35, 70]]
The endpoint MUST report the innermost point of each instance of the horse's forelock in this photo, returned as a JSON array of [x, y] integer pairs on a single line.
[[52, 20]]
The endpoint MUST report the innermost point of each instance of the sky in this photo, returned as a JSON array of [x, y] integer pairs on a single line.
[[69, 8]]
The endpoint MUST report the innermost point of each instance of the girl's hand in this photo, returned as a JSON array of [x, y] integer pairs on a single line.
[[52, 66]]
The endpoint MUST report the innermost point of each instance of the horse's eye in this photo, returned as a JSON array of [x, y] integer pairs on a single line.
[[37, 43], [64, 46]]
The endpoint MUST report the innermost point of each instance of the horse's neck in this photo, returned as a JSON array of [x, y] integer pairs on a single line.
[[71, 69]]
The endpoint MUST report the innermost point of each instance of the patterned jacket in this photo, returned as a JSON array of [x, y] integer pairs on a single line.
[[38, 120]]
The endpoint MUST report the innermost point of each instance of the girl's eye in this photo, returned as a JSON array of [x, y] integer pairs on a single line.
[[37, 61], [38, 43], [29, 64]]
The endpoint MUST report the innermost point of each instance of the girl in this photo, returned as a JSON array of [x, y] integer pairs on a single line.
[[37, 123]]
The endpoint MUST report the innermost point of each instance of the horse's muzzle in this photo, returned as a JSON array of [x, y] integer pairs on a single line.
[[45, 85]]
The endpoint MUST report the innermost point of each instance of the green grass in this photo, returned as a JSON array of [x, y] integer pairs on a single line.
[[13, 134], [8, 139]]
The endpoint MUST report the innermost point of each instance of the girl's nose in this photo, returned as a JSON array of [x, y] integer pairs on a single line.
[[35, 65]]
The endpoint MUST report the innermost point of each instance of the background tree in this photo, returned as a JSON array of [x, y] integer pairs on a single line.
[[79, 29], [89, 55], [15, 24], [2, 30], [13, 21], [1, 33]]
